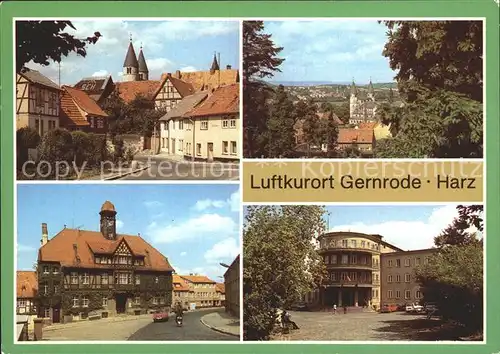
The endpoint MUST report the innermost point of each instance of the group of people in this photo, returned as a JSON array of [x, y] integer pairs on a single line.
[[335, 309]]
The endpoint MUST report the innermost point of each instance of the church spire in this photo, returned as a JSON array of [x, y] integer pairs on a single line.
[[143, 68], [215, 65], [130, 65], [354, 90], [370, 87]]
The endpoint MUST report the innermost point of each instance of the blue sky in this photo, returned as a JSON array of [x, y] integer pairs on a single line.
[[168, 46], [195, 226], [336, 50]]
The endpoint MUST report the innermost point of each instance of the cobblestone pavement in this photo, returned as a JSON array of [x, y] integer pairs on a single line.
[[362, 326], [192, 330], [109, 329], [220, 321]]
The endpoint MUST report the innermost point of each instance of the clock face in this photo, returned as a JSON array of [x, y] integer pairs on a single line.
[[110, 223]]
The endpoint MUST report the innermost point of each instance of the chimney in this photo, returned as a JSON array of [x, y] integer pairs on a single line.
[[228, 67], [45, 234], [178, 74]]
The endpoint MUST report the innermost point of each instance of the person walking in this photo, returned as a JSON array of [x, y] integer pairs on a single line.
[[334, 309], [345, 309]]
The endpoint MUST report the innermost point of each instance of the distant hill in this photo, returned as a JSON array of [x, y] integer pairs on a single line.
[[377, 85]]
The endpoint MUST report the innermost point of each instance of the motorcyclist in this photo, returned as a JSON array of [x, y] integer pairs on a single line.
[[178, 310]]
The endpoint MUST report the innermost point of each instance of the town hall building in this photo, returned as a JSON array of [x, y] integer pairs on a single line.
[[83, 273]]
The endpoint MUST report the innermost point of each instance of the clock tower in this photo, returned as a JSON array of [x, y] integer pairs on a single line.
[[108, 220]]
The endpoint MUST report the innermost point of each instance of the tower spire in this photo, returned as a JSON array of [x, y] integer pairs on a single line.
[[215, 64]]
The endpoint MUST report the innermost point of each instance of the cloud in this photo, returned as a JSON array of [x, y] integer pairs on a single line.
[[119, 224], [188, 69], [408, 234], [183, 254], [226, 249], [153, 204], [202, 227], [24, 248], [157, 66], [233, 203], [101, 73]]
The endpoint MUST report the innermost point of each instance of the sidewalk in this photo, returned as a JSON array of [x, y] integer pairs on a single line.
[[222, 322], [101, 321]]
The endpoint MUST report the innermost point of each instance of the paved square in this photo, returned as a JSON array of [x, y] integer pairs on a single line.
[[364, 326]]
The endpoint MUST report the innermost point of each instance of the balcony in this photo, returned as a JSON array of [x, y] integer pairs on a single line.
[[328, 248], [349, 283], [349, 266]]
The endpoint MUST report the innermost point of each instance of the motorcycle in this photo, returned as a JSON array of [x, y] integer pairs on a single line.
[[178, 320]]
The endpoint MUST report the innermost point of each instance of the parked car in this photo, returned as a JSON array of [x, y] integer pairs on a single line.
[[414, 308], [160, 316], [300, 306], [386, 308]]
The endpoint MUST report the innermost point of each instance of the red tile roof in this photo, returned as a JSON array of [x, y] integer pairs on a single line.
[[357, 136], [179, 283], [76, 248], [84, 102], [220, 287], [129, 90], [197, 279], [70, 114], [26, 284], [207, 80], [224, 100], [367, 125]]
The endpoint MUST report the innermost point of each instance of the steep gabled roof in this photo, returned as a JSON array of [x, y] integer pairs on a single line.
[[179, 283], [84, 102], [131, 58], [36, 77], [355, 136], [141, 62], [26, 284], [224, 100], [75, 248], [197, 279], [129, 90], [185, 105]]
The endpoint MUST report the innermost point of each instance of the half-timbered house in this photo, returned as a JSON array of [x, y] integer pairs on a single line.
[[100, 273], [26, 291], [98, 88], [37, 101]]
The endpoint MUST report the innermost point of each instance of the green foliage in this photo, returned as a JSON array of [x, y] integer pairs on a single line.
[[26, 138], [259, 61], [342, 111], [312, 127], [453, 278], [280, 126], [82, 147], [119, 150], [56, 145], [39, 41], [440, 70], [330, 132], [281, 263]]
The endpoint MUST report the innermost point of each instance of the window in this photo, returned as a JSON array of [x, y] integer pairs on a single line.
[[354, 243], [233, 148], [398, 262], [181, 144], [363, 244], [407, 278], [98, 260], [390, 263], [181, 124], [129, 70], [333, 259], [155, 301], [389, 294], [104, 278], [45, 270], [418, 294], [85, 278], [39, 97], [353, 259], [327, 259], [55, 270], [376, 277], [46, 313], [389, 278], [204, 125], [105, 301], [426, 260], [137, 279], [225, 123], [76, 301], [198, 149], [407, 294], [343, 276], [37, 125], [376, 294], [74, 278], [232, 123], [225, 147], [398, 294], [407, 262], [137, 300], [156, 280], [333, 276], [45, 289], [56, 289], [344, 243], [91, 121], [123, 278], [85, 301], [100, 123], [345, 259], [417, 261], [353, 276]]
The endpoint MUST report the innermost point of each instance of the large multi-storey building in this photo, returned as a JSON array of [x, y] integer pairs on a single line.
[[362, 108], [353, 264], [399, 284], [232, 288], [82, 273]]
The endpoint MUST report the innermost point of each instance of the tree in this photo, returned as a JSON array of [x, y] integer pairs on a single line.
[[330, 132], [390, 97], [453, 277], [41, 41], [26, 138], [439, 77], [342, 111], [306, 112], [281, 262], [56, 145], [280, 126], [259, 61]]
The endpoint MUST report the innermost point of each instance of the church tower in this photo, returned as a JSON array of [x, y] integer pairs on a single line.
[[353, 100], [108, 220], [215, 65], [371, 92], [130, 65], [143, 68]]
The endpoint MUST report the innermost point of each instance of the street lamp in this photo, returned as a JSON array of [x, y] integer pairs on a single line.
[[224, 265]]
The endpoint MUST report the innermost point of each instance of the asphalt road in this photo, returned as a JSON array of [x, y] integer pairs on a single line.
[[162, 169], [192, 330]]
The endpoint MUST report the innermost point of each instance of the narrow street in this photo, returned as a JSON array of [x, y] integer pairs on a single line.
[[164, 169], [192, 330]]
